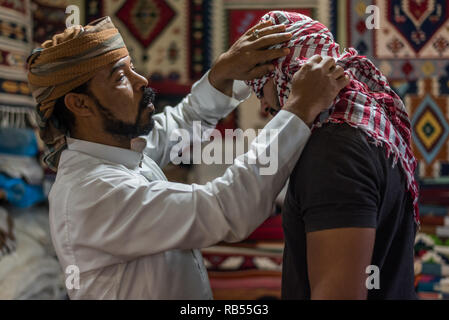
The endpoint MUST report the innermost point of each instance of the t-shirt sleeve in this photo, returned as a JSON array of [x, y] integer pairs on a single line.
[[337, 183]]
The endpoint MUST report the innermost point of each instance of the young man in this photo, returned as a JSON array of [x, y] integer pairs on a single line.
[[350, 212], [113, 215]]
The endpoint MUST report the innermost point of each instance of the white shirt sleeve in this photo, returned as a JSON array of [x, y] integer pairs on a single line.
[[204, 103], [131, 217]]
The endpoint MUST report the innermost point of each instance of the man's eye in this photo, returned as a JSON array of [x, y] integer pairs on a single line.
[[122, 77]]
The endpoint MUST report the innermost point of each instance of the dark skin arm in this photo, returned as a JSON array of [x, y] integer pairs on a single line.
[[337, 261]]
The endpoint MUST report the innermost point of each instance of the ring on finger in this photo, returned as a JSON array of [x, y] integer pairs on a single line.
[[256, 34]]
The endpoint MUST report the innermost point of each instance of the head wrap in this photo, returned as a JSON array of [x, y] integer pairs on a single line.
[[62, 64], [367, 103]]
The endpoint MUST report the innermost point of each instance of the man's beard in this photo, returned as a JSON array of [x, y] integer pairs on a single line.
[[126, 130]]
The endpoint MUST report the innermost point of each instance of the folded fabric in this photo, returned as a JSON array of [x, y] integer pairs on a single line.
[[441, 285], [433, 210], [7, 238], [19, 193], [27, 168], [433, 269], [18, 141], [29, 272], [34, 222], [431, 240]]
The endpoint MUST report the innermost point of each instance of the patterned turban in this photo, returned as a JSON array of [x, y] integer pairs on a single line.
[[367, 103], [62, 64]]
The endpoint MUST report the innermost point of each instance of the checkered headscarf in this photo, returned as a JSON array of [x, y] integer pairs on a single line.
[[367, 103]]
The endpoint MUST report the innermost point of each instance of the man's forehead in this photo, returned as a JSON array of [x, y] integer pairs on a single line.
[[106, 71]]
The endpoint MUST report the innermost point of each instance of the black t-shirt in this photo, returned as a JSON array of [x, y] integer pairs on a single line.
[[343, 181]]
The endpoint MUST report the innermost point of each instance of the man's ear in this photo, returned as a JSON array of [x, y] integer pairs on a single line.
[[78, 103]]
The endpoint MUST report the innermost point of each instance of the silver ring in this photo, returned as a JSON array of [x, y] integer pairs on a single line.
[[256, 34]]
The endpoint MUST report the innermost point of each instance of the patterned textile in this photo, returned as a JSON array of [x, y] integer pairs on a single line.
[[430, 124], [368, 103], [49, 18], [250, 284], [16, 103], [235, 261], [413, 29], [431, 266], [239, 16], [168, 40], [145, 19], [63, 63], [249, 270], [411, 43], [241, 20]]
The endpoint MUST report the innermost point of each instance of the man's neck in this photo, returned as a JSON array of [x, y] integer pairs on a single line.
[[104, 138]]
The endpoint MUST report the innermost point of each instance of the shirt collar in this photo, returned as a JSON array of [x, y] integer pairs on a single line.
[[130, 158]]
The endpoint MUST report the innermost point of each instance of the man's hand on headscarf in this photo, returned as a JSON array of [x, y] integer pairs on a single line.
[[249, 58], [314, 87]]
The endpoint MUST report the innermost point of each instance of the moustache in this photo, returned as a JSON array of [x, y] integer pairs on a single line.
[[148, 97]]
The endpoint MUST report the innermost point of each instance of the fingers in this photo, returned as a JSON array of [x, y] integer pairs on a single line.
[[259, 26], [269, 30], [328, 63], [316, 59], [270, 40], [270, 54], [343, 81], [260, 71], [337, 72]]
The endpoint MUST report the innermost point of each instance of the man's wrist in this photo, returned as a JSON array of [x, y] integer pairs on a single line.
[[218, 79], [292, 106]]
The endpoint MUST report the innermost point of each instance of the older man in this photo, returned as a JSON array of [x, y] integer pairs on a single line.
[[113, 215]]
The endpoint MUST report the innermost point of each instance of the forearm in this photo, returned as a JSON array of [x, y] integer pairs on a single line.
[[248, 201], [205, 105]]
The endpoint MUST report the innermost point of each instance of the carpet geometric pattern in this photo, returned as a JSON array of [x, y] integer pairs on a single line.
[[413, 29], [430, 127], [410, 43], [145, 19], [167, 39]]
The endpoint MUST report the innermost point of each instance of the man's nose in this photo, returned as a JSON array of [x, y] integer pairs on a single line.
[[140, 82]]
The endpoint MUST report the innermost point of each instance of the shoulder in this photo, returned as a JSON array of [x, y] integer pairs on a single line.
[[335, 146], [336, 155], [336, 137]]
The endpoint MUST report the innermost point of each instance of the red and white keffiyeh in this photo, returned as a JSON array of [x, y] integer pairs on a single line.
[[367, 103]]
